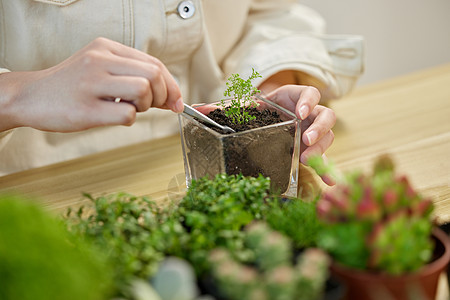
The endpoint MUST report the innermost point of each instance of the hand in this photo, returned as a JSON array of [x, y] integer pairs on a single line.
[[78, 93], [317, 120]]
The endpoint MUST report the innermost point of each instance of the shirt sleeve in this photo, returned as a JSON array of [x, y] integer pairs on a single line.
[[4, 135], [4, 138], [292, 37]]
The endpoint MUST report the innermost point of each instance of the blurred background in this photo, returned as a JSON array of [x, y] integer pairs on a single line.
[[401, 36]]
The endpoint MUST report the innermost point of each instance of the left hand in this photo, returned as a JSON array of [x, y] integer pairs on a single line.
[[317, 120]]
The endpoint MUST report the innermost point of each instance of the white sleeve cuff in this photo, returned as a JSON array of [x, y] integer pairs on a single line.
[[336, 61]]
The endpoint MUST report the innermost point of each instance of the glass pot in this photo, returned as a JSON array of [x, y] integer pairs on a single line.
[[272, 150]]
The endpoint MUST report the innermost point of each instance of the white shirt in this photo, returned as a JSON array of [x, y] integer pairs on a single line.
[[200, 50]]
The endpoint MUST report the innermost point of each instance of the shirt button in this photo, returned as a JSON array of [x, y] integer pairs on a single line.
[[186, 9]]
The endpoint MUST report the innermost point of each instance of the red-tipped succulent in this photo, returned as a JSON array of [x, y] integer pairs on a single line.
[[394, 221]]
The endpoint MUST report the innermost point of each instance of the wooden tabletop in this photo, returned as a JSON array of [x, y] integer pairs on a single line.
[[407, 117]]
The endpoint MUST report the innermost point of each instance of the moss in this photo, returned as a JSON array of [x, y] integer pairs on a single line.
[[39, 259]]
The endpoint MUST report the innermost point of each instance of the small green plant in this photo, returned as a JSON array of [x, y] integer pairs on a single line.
[[214, 212], [241, 92], [270, 272], [130, 230], [137, 234], [286, 216], [376, 222]]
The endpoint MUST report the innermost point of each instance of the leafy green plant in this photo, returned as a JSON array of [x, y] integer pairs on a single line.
[[287, 215], [215, 211], [241, 91], [132, 231], [376, 222], [137, 234], [40, 259]]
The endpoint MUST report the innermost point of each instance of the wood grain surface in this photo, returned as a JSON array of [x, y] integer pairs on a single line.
[[407, 117]]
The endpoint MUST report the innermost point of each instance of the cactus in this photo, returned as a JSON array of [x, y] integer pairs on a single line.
[[312, 273], [280, 283], [390, 223], [234, 280], [272, 273], [271, 248]]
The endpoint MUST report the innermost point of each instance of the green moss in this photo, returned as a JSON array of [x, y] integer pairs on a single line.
[[39, 259]]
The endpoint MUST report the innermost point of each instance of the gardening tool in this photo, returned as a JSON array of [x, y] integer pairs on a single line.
[[196, 114]]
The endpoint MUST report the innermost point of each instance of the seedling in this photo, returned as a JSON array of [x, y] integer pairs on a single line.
[[241, 91]]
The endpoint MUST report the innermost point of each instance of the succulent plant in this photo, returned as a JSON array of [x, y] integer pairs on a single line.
[[272, 273], [376, 221], [280, 282], [271, 248], [312, 273], [231, 227], [175, 280]]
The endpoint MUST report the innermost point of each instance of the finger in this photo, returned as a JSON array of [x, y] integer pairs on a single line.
[[158, 88], [318, 148], [296, 98], [105, 113], [134, 90], [173, 100], [153, 73], [327, 178], [323, 120], [309, 98], [128, 52], [282, 96]]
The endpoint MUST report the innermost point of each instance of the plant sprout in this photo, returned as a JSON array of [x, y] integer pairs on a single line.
[[241, 92]]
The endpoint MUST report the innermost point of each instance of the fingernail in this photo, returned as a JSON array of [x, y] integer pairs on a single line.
[[328, 180], [311, 137], [304, 159], [179, 106], [304, 110]]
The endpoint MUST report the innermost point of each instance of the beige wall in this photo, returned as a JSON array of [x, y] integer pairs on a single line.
[[401, 35]]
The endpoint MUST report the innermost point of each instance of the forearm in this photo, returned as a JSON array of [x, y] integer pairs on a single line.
[[277, 80], [9, 82], [289, 77]]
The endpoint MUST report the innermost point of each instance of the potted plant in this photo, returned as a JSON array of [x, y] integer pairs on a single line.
[[270, 148], [381, 236], [151, 245], [269, 270]]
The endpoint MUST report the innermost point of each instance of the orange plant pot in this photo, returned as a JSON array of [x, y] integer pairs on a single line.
[[421, 284]]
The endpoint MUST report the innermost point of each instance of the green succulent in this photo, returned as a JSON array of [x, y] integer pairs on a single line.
[[271, 273]]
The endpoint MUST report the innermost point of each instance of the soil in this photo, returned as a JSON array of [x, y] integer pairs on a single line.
[[262, 118], [267, 152]]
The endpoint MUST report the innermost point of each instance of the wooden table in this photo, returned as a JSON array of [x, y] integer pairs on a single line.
[[407, 117]]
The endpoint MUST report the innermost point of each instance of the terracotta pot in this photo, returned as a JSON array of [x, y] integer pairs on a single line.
[[420, 285]]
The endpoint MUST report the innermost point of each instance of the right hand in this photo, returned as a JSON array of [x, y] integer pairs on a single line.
[[73, 95]]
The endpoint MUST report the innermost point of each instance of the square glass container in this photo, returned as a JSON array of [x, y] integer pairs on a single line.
[[273, 150]]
